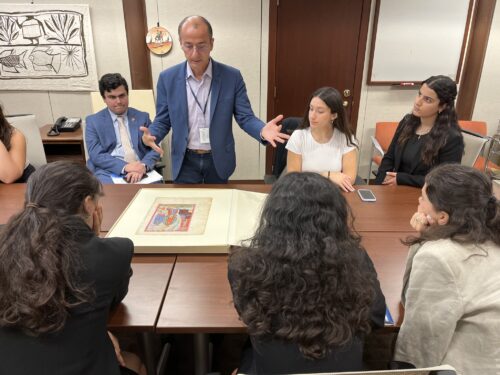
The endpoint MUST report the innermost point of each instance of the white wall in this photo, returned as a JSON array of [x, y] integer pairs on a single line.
[[241, 39]]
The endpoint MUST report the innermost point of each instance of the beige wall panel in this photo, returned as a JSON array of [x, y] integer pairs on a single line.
[[27, 102]]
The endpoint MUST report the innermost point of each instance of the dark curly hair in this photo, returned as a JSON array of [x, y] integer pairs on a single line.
[[6, 130], [39, 250], [111, 81], [332, 98], [302, 277], [465, 194], [446, 121]]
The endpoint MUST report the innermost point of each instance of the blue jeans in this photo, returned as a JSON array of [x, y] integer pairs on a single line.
[[198, 169]]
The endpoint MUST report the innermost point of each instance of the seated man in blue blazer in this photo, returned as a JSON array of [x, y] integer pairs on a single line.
[[198, 99], [113, 135]]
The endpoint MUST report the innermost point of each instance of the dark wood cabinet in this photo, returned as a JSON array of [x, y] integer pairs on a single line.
[[65, 146]]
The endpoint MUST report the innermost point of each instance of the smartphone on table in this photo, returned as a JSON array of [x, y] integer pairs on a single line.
[[366, 195]]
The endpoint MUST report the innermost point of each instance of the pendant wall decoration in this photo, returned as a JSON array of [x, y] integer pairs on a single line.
[[159, 40]]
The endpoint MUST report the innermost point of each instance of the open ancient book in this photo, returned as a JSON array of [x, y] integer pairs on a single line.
[[189, 220]]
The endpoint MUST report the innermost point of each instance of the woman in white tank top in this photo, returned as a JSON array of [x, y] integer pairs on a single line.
[[324, 143]]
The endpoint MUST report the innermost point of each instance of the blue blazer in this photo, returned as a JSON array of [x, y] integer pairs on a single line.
[[228, 97], [101, 140]]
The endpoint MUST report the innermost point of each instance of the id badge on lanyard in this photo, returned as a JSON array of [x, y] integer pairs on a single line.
[[204, 132], [204, 135]]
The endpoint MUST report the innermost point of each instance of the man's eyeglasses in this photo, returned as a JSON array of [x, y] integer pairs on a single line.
[[189, 48]]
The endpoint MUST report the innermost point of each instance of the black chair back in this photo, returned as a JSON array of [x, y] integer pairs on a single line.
[[288, 126]]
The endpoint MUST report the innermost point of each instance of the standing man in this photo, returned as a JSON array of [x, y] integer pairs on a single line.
[[198, 99], [113, 135]]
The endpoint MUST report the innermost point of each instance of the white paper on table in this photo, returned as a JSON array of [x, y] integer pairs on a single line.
[[151, 178]]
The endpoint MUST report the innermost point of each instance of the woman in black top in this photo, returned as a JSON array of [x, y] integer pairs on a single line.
[[58, 279], [304, 286], [429, 136]]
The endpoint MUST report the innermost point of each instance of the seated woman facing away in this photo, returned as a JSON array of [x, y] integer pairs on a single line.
[[13, 164], [304, 285], [324, 143], [428, 136], [58, 279], [452, 285]]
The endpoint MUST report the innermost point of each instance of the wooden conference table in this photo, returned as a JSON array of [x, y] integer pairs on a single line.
[[196, 293]]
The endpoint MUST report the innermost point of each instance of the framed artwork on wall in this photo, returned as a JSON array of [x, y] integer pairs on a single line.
[[46, 47]]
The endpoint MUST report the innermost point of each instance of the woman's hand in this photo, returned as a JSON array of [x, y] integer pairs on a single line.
[[342, 180], [118, 351], [390, 179], [97, 220], [421, 221]]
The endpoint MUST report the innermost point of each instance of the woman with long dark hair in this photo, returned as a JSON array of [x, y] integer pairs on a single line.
[[58, 279], [304, 285], [452, 285], [427, 137], [13, 164], [324, 142]]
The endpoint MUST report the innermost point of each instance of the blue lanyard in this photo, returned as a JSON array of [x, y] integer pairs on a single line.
[[204, 108]]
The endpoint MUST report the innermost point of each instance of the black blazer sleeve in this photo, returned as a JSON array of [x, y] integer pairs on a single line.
[[126, 249], [377, 315], [416, 180], [388, 162], [451, 152], [107, 264]]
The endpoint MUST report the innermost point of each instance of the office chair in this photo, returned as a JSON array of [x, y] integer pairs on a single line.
[[384, 132], [474, 144], [289, 124], [479, 127], [35, 152], [492, 164]]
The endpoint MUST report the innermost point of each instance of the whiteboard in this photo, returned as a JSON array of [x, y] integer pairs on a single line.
[[413, 40]]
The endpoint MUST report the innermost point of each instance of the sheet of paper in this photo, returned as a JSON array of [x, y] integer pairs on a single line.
[[151, 177]]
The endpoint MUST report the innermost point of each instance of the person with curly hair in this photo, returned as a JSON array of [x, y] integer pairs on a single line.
[[427, 137], [324, 142], [58, 279], [13, 164], [304, 285], [451, 286]]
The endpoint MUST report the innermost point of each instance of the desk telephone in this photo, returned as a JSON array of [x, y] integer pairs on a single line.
[[64, 124]]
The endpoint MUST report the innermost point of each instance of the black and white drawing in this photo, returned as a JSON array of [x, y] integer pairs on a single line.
[[44, 47]]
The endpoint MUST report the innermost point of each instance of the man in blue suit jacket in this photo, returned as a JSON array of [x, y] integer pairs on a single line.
[[115, 150], [198, 99]]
